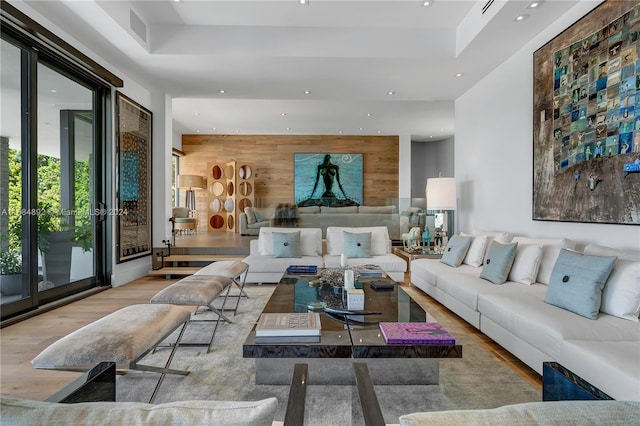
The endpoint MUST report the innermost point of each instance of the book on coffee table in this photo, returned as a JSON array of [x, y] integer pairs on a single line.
[[416, 332], [288, 339], [288, 324], [302, 270]]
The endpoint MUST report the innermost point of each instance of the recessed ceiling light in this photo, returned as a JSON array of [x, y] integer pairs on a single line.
[[215, 128], [368, 114], [288, 128], [340, 131], [521, 18], [283, 114], [427, 3], [379, 131], [196, 113], [442, 130], [222, 91], [361, 128], [459, 74], [237, 131], [431, 136], [307, 92], [303, 1], [54, 91], [391, 92], [198, 131], [534, 4]]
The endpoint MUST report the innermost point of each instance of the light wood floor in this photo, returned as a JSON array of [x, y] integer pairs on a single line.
[[21, 342]]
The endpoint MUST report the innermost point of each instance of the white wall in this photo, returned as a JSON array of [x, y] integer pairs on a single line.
[[493, 153], [429, 160]]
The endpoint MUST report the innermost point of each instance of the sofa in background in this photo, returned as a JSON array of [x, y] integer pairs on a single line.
[[604, 351], [252, 219], [264, 266]]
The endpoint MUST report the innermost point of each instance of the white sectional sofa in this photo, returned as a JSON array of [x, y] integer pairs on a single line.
[[603, 351], [264, 267]]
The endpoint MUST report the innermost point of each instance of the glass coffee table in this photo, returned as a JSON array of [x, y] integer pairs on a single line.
[[341, 343]]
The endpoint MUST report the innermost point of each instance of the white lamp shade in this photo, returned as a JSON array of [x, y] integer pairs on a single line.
[[441, 193], [190, 182]]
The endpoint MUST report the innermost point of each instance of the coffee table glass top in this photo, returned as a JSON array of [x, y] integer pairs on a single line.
[[358, 337]]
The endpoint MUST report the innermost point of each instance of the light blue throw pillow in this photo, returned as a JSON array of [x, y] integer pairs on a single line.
[[286, 244], [577, 281], [357, 244], [456, 250], [499, 261]]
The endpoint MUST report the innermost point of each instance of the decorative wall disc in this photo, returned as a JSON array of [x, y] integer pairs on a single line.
[[244, 172], [245, 202], [216, 205], [216, 172], [246, 189], [216, 221], [216, 188], [230, 189], [229, 205], [230, 222]]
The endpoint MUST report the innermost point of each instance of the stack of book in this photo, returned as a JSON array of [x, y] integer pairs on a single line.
[[416, 333], [288, 328], [369, 271]]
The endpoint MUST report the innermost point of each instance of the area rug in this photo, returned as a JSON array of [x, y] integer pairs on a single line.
[[478, 380]]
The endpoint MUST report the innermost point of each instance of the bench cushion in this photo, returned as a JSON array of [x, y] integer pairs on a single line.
[[225, 268], [226, 413], [198, 290], [121, 337]]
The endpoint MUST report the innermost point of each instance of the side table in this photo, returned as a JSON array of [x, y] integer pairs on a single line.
[[418, 254]]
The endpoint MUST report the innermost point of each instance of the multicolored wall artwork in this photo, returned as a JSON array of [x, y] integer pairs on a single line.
[[587, 120]]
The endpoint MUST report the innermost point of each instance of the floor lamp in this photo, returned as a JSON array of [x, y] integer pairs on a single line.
[[190, 182], [441, 197]]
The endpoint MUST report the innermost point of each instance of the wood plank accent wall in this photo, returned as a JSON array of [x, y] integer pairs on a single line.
[[272, 159]]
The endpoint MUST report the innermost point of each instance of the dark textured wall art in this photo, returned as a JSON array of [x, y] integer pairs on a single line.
[[587, 119], [133, 184]]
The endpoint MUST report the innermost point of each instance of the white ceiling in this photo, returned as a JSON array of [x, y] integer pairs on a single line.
[[265, 54]]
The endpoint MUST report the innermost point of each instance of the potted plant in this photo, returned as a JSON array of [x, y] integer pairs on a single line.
[[10, 272]]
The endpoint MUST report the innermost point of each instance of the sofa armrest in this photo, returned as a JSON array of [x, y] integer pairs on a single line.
[[244, 223], [254, 247]]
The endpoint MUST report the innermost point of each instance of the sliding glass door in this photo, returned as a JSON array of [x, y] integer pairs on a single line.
[[52, 179]]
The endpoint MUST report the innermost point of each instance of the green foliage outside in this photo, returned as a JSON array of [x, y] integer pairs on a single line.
[[50, 216]]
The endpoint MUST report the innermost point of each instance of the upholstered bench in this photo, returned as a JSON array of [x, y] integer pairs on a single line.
[[197, 290], [236, 270], [123, 337]]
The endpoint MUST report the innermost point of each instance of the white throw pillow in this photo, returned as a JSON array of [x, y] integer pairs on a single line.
[[310, 240], [526, 264], [621, 294], [380, 242], [550, 250], [477, 249]]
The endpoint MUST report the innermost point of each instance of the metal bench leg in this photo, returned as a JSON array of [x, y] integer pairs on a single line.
[[368, 399], [294, 414]]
